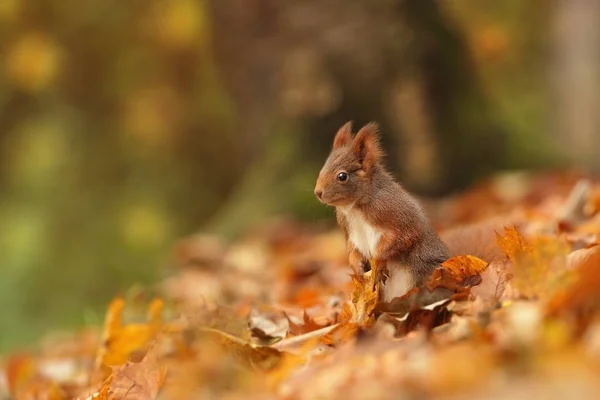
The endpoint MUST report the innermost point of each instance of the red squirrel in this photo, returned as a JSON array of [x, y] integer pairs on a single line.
[[380, 219]]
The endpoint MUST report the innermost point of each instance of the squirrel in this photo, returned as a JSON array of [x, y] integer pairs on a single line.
[[381, 221]]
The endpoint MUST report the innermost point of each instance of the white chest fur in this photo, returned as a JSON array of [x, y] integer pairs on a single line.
[[364, 236]]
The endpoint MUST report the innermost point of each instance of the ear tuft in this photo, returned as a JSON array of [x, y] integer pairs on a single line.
[[366, 145], [343, 135]]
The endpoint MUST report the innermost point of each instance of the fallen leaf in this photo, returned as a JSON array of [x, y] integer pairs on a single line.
[[495, 283], [253, 356], [425, 306], [513, 244], [415, 299], [581, 299], [464, 267], [139, 381], [124, 341], [364, 298], [309, 325], [341, 334], [264, 338]]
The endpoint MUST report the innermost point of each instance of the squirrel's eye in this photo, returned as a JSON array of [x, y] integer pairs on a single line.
[[342, 177]]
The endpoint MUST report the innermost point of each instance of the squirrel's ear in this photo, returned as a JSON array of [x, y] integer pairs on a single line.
[[343, 135], [366, 145]]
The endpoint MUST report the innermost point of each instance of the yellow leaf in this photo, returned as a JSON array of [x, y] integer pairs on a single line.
[[464, 267], [123, 341], [340, 334], [513, 244], [538, 265], [363, 299]]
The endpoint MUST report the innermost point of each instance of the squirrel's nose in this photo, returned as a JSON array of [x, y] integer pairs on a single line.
[[318, 193]]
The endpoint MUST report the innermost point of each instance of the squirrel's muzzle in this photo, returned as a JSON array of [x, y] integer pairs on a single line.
[[319, 193]]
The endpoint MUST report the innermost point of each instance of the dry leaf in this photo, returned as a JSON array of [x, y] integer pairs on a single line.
[[513, 244], [581, 299], [309, 325], [139, 381], [341, 334], [495, 285], [256, 357], [425, 306], [123, 341], [464, 268], [364, 298]]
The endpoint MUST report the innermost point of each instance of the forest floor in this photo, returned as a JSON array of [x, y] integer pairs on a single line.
[[279, 314]]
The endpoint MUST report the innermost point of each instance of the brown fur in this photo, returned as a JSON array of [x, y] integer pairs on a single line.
[[407, 237], [343, 136]]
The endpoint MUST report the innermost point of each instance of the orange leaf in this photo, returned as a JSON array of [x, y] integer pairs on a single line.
[[20, 369], [363, 299], [464, 267], [308, 326], [582, 298], [307, 297], [457, 274], [513, 244], [425, 306], [538, 265], [340, 334], [123, 341]]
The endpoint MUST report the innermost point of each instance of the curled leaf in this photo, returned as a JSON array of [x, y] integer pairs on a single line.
[[363, 299]]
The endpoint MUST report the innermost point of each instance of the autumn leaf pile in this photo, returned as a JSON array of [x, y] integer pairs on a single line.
[[279, 314]]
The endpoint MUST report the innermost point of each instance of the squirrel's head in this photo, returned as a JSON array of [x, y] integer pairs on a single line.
[[347, 173]]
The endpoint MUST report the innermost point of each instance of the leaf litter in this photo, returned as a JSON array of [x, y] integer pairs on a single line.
[[279, 314]]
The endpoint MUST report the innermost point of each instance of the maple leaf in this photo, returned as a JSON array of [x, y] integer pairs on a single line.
[[513, 244], [120, 342], [538, 265], [309, 325], [363, 298], [465, 267]]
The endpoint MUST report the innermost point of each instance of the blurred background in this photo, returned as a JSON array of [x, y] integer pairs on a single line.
[[125, 125]]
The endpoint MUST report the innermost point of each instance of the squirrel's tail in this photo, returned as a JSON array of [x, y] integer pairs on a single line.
[[479, 239]]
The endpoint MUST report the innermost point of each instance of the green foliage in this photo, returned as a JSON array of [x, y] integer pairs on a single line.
[[110, 113]]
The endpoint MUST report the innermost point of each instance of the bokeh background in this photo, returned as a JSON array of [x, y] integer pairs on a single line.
[[125, 125]]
